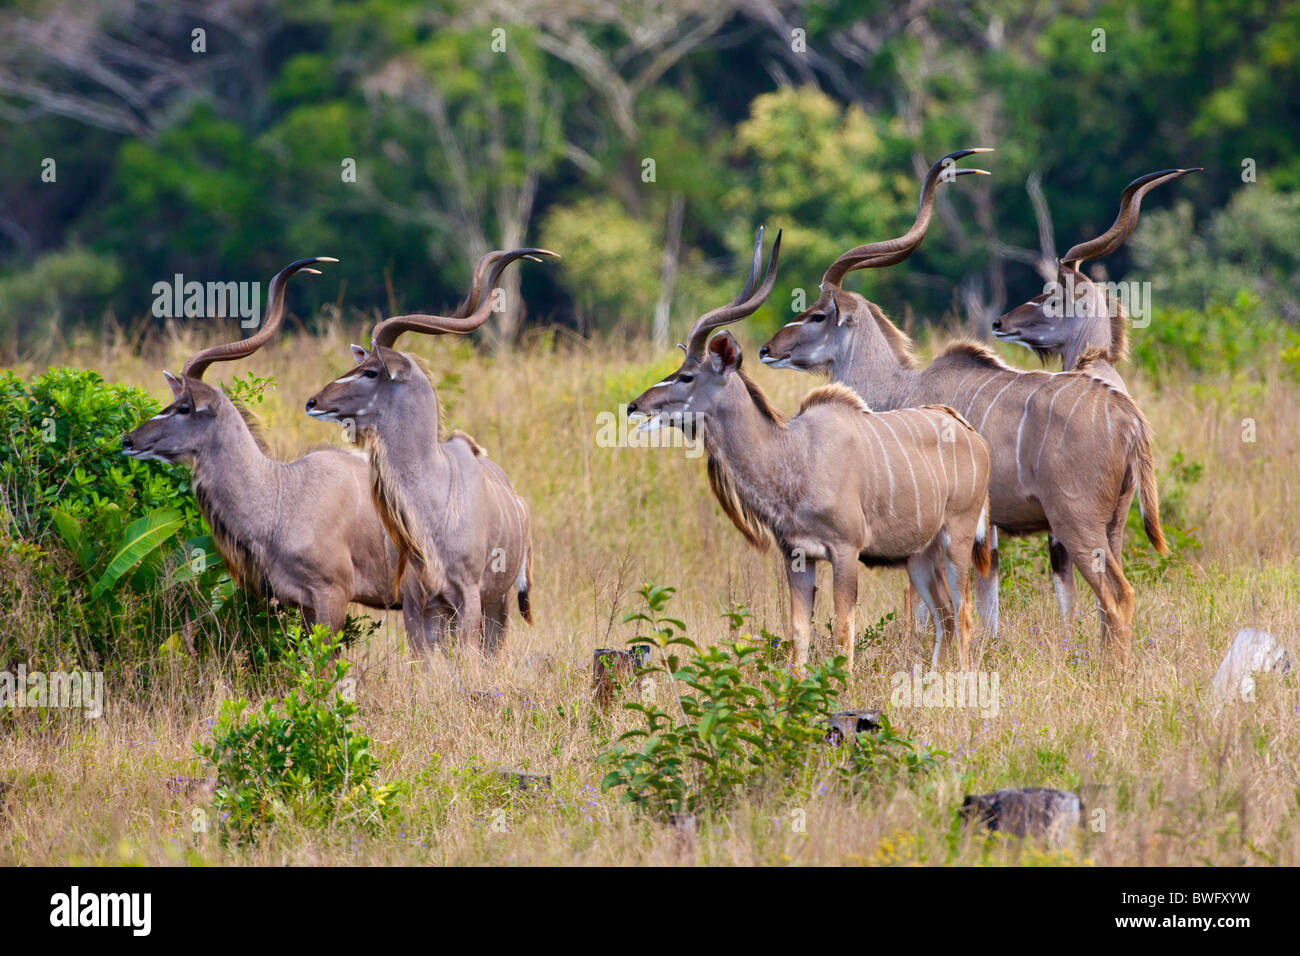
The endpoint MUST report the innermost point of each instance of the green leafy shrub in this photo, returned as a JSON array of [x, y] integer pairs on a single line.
[[107, 556], [1228, 336], [740, 723], [300, 757]]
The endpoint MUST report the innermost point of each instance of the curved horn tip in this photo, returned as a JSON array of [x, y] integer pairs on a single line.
[[314, 272], [326, 259]]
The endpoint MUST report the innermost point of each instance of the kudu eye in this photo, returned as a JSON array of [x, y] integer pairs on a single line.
[[183, 410], [371, 373], [819, 317], [685, 379]]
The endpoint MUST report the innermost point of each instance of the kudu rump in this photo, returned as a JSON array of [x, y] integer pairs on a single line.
[[303, 531], [462, 534], [837, 482], [1067, 447]]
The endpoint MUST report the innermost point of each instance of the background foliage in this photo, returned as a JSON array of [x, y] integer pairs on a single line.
[[227, 162]]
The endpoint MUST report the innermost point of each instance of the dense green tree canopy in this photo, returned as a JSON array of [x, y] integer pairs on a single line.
[[222, 140]]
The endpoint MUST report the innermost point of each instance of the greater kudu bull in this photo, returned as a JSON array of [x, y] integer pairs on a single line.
[[1068, 448], [461, 532], [1080, 321], [837, 482], [303, 531]]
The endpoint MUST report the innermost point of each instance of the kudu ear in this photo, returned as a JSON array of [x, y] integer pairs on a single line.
[[175, 384], [839, 316], [359, 354], [724, 353]]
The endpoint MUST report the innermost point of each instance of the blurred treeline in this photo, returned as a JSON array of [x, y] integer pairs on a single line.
[[643, 140]]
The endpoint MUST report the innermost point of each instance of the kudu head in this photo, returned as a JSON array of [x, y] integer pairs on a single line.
[[1051, 322], [182, 429], [692, 393], [386, 382], [823, 333]]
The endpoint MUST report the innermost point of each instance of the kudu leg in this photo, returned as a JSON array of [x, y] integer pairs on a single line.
[[495, 617], [844, 577], [1062, 578], [1114, 594], [986, 589], [921, 571], [803, 592], [956, 566], [468, 607]]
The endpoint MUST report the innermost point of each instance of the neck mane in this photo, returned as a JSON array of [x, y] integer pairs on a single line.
[[741, 496]]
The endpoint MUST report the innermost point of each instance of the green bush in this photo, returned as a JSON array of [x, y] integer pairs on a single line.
[[1225, 337], [743, 724], [107, 557], [65, 283], [298, 758]]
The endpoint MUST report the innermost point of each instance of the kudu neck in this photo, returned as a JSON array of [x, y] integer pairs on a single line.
[[1090, 333], [869, 365], [746, 438], [407, 432], [231, 471]]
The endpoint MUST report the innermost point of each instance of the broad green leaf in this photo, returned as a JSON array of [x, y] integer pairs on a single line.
[[140, 539]]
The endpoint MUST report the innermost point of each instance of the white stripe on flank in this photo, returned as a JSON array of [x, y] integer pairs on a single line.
[[994, 402], [1055, 395], [970, 447], [916, 491], [971, 404], [1020, 479], [912, 434], [884, 458], [1066, 427]]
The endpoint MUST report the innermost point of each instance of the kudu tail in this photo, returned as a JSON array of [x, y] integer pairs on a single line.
[[524, 584], [1148, 495], [982, 556]]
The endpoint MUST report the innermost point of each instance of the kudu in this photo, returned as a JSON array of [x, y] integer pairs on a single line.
[[461, 532], [1067, 447], [304, 531], [837, 482], [1079, 320]]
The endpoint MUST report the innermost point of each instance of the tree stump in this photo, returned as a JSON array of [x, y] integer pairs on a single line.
[[846, 724], [612, 670], [1252, 652], [1048, 815]]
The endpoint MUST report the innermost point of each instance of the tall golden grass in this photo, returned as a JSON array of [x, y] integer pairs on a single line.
[[1167, 777]]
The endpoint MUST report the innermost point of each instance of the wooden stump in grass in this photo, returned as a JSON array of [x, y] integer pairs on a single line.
[[683, 829], [612, 670], [846, 724], [520, 780], [1036, 812]]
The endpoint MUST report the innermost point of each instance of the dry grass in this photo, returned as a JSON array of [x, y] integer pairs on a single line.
[[1178, 782]]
